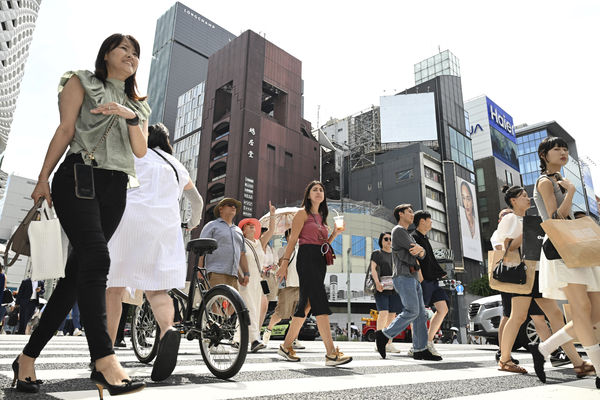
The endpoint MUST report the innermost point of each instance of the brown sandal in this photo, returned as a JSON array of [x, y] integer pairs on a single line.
[[509, 366], [585, 369]]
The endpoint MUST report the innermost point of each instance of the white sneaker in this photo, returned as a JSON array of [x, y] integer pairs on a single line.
[[410, 352], [60, 333], [296, 345], [77, 332], [391, 348], [266, 336], [432, 349]]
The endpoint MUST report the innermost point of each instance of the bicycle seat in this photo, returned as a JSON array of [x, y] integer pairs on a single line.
[[202, 246]]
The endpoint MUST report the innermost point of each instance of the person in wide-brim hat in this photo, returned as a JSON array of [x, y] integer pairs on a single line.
[[253, 221], [227, 201]]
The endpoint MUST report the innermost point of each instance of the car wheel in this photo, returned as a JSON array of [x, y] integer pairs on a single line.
[[527, 334], [370, 336]]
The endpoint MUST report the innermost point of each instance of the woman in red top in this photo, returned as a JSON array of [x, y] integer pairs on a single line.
[[309, 228]]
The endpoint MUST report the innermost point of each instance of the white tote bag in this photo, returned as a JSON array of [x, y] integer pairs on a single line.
[[49, 245]]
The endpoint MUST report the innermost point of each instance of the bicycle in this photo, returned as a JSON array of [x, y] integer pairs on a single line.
[[220, 321]]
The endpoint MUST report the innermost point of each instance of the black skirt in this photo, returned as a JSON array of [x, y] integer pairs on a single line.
[[311, 269]]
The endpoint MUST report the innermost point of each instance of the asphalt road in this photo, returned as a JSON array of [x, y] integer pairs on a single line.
[[467, 371]]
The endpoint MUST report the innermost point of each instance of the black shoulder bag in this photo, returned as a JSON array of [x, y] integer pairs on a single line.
[[506, 274]]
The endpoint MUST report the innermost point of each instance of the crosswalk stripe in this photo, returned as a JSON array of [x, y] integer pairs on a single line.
[[64, 359]]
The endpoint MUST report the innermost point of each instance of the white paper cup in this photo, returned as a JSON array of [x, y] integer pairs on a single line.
[[338, 221]]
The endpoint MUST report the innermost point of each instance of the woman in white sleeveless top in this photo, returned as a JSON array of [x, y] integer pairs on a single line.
[[147, 250], [553, 197]]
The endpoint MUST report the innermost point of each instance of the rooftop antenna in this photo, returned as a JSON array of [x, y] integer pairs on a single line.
[[439, 49]]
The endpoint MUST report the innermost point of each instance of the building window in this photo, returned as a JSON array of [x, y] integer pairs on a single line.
[[433, 175], [480, 180], [509, 178], [336, 245], [437, 236], [404, 175], [437, 215], [273, 102], [461, 150], [375, 242], [434, 194], [358, 246]]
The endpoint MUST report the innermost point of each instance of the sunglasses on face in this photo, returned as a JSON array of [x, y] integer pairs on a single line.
[[387, 239]]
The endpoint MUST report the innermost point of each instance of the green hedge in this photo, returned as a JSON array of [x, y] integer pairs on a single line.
[[481, 287]]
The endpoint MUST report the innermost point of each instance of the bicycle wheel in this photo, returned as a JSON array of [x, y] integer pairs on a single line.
[[223, 324], [144, 333]]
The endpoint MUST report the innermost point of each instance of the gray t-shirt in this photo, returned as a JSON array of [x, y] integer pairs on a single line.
[[402, 259]]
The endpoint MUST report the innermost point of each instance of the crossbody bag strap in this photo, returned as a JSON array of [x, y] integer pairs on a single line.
[[90, 154], [168, 162], [508, 247], [255, 255]]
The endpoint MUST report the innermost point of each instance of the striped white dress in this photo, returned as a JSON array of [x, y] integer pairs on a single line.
[[147, 250]]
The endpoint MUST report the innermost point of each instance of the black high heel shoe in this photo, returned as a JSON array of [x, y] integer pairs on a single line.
[[26, 386], [129, 386]]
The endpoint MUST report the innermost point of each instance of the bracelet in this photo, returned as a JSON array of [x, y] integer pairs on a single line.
[[133, 121], [246, 274], [43, 181], [285, 259]]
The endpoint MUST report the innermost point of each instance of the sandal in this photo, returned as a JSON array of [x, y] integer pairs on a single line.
[[585, 369], [509, 366]]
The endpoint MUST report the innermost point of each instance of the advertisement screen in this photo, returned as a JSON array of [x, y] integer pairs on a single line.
[[408, 117], [469, 220], [589, 189], [504, 149]]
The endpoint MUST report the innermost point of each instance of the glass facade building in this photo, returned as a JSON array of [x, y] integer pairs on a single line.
[[183, 42], [444, 63], [527, 145]]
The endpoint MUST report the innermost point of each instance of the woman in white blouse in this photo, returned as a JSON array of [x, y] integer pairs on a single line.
[[510, 232]]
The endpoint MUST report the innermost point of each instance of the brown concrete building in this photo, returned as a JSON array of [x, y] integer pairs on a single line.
[[255, 145]]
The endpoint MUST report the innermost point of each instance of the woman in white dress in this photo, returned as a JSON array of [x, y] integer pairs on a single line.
[[147, 250], [553, 197]]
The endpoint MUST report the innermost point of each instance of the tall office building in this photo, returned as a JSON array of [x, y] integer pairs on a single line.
[[495, 157], [17, 20], [255, 145], [183, 42]]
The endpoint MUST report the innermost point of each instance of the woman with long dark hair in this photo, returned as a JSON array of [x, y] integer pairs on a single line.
[[147, 250], [510, 233], [387, 301], [309, 228], [103, 122], [553, 197]]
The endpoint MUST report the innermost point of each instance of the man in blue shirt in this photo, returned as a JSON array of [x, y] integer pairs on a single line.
[[223, 264]]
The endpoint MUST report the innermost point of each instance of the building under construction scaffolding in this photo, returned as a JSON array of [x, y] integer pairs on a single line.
[[364, 137]]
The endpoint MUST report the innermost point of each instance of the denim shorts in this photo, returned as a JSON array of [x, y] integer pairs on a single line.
[[388, 302]]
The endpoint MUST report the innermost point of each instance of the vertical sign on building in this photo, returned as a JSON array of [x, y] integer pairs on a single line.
[[249, 182], [469, 220]]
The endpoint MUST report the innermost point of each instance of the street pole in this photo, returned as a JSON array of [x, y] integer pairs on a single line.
[[349, 291]]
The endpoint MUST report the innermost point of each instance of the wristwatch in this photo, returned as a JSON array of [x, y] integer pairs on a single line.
[[133, 121], [246, 274]]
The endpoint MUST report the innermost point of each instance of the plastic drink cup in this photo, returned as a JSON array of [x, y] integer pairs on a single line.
[[338, 221]]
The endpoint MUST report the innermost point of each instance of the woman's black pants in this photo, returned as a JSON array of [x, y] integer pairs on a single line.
[[89, 224]]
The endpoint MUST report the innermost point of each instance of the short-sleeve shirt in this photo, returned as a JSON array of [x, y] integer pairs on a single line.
[[510, 227], [383, 261], [114, 153], [226, 258]]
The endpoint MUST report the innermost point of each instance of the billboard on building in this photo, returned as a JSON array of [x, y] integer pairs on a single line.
[[589, 189], [408, 117], [469, 220], [502, 133]]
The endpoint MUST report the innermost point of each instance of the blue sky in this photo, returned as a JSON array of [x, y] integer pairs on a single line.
[[535, 59]]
